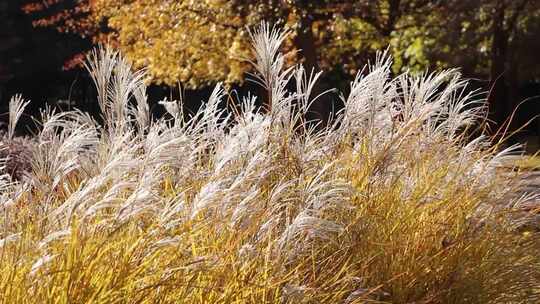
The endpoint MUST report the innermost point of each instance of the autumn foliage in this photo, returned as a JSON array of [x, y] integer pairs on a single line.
[[200, 42]]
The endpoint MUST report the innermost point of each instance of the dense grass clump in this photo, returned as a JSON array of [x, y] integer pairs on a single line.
[[391, 202]]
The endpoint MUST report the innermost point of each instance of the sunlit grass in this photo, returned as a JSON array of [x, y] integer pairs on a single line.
[[390, 203], [529, 162]]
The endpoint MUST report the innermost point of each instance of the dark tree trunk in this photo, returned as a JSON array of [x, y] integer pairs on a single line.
[[498, 106], [305, 43], [393, 17]]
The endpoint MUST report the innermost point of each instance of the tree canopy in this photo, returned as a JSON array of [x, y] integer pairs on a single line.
[[202, 42]]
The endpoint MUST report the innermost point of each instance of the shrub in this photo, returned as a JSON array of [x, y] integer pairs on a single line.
[[391, 202], [15, 151]]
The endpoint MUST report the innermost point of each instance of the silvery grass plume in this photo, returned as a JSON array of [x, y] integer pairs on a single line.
[[12, 150], [116, 83], [259, 205], [16, 108], [63, 139], [4, 177], [269, 63]]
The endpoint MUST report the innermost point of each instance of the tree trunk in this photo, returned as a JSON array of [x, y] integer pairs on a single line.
[[305, 43], [498, 108], [393, 16]]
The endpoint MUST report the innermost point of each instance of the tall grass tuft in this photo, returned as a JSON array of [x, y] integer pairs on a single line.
[[392, 202]]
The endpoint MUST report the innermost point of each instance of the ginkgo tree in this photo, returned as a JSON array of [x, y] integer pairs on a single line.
[[201, 42]]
